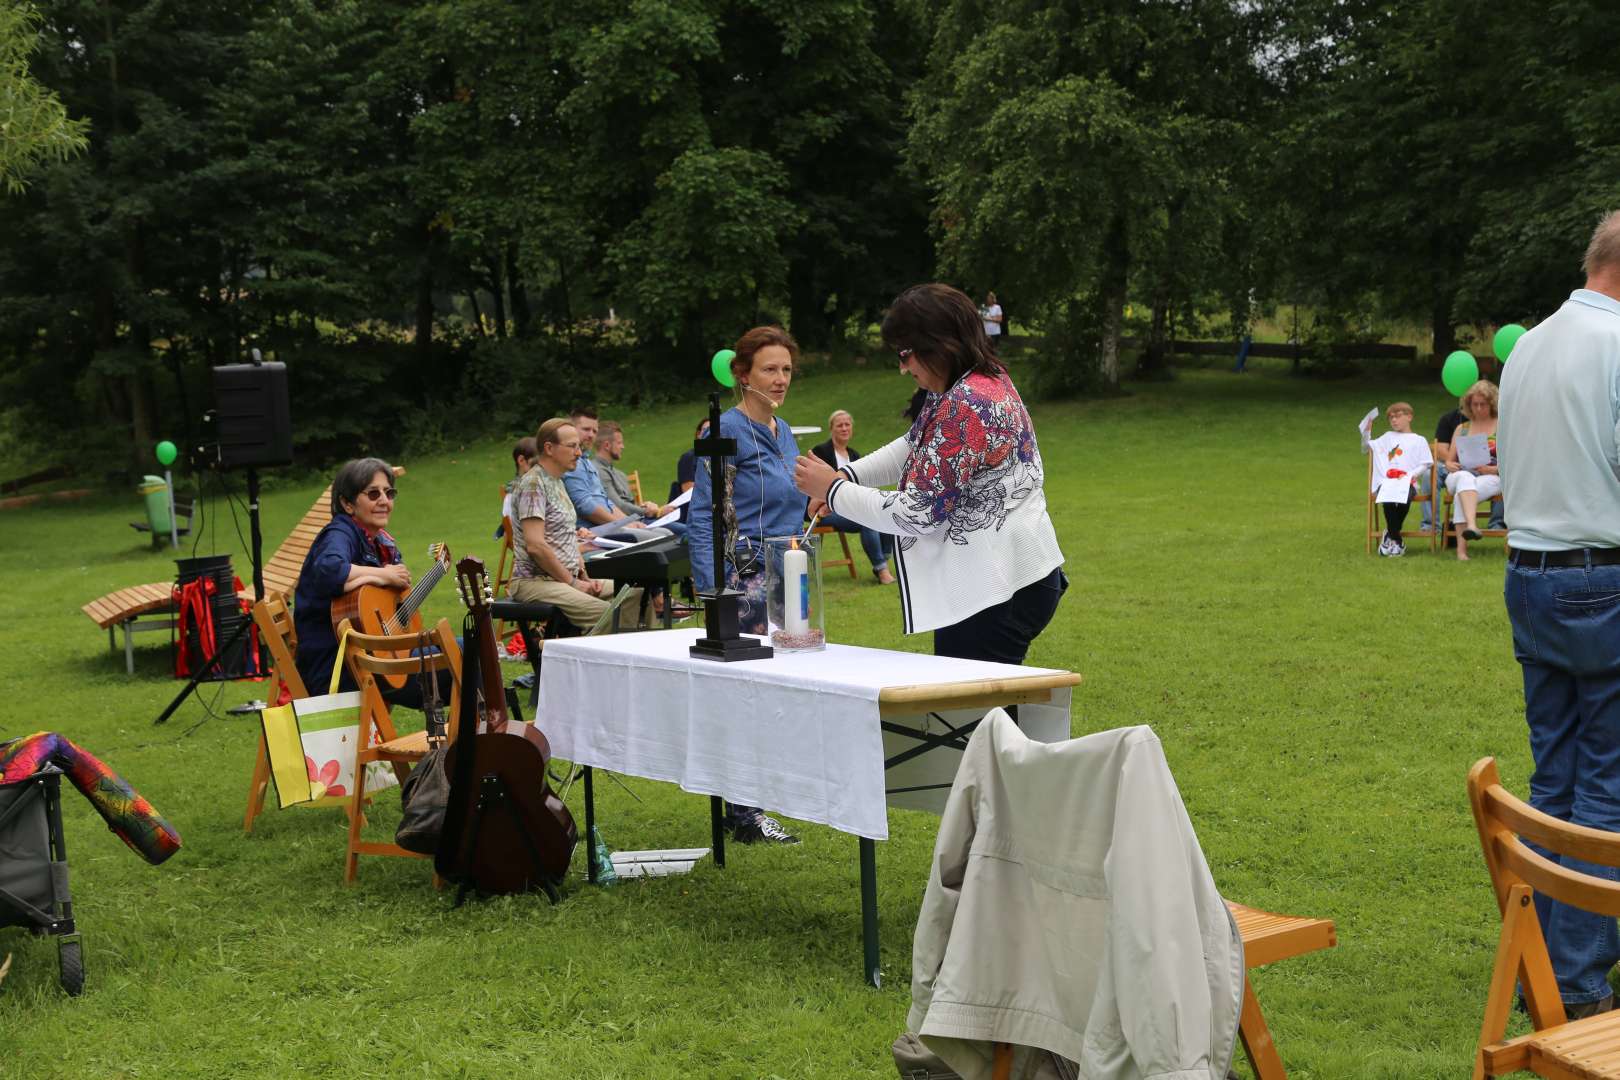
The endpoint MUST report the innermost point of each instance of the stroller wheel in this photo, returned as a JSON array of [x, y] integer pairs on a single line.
[[70, 954]]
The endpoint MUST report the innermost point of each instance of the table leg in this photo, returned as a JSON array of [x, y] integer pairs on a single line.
[[869, 920], [717, 830], [129, 649], [591, 869]]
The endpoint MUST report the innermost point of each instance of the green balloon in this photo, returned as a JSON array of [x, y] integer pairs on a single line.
[[1460, 372], [1505, 339], [721, 366], [166, 453]]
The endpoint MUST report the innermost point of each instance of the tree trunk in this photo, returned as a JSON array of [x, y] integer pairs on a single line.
[[522, 316], [806, 316], [497, 288], [478, 315], [1445, 330], [424, 305], [1116, 274]]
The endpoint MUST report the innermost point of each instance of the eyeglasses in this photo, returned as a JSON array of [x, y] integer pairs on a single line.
[[374, 494]]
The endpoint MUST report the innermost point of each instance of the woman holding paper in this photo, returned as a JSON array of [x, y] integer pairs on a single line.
[[1471, 472], [764, 503], [977, 558]]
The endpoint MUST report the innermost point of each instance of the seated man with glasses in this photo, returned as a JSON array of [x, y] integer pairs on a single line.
[[354, 549]]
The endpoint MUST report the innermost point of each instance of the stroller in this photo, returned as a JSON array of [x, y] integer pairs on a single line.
[[34, 869]]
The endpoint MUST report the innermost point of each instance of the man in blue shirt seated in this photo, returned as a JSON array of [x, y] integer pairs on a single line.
[[609, 449], [590, 498]]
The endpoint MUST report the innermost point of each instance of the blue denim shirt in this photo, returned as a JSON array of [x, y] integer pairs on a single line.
[[337, 549], [763, 494], [586, 490]]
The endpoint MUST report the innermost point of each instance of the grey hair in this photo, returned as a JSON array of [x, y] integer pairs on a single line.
[[353, 477], [1603, 252]]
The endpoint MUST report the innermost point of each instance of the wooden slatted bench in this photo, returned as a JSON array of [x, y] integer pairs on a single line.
[[1268, 937], [135, 610], [149, 607]]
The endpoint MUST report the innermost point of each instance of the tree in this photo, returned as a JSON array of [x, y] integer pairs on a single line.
[[34, 127], [1069, 144]]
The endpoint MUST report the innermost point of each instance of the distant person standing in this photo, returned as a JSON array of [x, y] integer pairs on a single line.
[[1560, 467], [993, 320]]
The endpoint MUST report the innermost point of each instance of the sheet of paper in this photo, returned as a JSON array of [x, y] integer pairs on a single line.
[[1366, 421], [1472, 450], [609, 543], [1395, 489]]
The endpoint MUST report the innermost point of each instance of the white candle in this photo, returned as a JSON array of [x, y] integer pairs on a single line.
[[795, 591]]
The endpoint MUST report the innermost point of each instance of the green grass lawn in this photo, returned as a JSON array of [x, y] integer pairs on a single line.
[[1319, 707]]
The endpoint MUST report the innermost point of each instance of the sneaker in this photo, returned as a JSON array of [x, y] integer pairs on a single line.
[[1471, 532], [1398, 548], [762, 830], [1385, 548]]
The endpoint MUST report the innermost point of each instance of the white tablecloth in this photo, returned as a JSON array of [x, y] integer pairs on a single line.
[[797, 733]]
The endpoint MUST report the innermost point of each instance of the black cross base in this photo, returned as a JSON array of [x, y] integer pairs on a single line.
[[723, 639]]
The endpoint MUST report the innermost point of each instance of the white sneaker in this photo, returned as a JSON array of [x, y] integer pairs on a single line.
[[1385, 548], [1398, 548]]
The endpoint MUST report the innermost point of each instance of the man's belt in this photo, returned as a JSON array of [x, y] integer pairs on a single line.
[[1573, 557]]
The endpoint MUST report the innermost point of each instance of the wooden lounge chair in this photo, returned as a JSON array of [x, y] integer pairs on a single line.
[[141, 608]]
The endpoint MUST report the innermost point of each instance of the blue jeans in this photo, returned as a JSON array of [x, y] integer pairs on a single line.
[[1566, 636], [877, 546]]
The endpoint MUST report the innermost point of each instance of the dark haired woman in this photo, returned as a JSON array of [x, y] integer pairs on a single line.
[[977, 558], [764, 502], [354, 549]]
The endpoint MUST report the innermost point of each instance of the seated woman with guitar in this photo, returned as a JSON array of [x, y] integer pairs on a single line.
[[353, 550]]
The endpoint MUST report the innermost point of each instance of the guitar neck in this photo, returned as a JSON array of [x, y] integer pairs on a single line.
[[489, 665], [413, 599]]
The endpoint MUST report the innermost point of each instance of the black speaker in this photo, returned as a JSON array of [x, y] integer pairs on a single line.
[[251, 415]]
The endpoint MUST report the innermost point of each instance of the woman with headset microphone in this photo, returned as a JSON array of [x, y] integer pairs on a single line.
[[764, 502]]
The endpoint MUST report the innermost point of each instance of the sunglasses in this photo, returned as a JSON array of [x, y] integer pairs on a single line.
[[374, 494]]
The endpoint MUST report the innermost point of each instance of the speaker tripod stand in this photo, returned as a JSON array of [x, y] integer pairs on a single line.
[[256, 541]]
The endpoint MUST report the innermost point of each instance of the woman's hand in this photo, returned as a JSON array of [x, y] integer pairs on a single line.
[[395, 576], [1487, 470], [814, 477]]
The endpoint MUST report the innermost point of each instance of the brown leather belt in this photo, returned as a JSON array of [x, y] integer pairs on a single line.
[[1573, 557]]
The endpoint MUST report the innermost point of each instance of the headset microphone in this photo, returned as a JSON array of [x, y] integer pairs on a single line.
[[762, 394]]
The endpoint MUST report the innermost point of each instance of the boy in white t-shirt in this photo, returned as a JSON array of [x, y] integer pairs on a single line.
[[1400, 458]]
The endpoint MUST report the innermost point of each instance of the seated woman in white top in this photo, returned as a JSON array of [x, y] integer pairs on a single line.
[[1469, 486]]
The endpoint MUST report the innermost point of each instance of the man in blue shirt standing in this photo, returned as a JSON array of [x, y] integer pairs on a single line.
[[1560, 464]]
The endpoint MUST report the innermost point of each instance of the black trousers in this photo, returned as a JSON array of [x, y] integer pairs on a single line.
[[1395, 517], [1002, 633]]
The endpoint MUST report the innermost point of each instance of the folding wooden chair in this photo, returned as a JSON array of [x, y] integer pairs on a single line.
[[1267, 937], [1482, 510], [1375, 526], [635, 486], [280, 638], [368, 656], [503, 565], [843, 538], [1558, 1048]]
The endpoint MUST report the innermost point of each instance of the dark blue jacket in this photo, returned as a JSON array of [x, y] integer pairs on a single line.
[[336, 550]]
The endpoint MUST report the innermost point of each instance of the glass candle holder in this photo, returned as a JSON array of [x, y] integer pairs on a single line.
[[793, 593]]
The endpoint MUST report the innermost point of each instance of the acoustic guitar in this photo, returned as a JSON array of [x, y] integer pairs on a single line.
[[381, 609], [505, 830]]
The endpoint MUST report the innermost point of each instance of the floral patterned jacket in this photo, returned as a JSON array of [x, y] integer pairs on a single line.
[[968, 506]]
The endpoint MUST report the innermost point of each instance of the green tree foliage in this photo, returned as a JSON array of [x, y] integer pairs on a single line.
[[1070, 145], [34, 127]]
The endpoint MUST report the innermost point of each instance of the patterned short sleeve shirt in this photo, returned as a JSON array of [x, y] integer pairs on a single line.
[[539, 495]]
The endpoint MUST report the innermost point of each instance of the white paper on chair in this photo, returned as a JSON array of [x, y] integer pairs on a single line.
[[1395, 489], [1472, 450]]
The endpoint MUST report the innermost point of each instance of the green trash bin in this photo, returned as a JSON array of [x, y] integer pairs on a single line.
[[155, 490]]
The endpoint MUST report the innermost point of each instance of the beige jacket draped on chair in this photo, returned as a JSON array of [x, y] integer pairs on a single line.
[[1069, 907]]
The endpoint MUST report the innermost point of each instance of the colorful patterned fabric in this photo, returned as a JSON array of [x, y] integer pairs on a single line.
[[127, 814]]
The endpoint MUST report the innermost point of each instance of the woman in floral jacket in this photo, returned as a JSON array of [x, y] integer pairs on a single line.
[[977, 558]]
